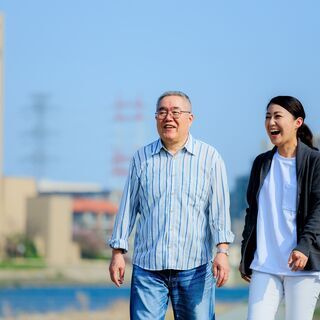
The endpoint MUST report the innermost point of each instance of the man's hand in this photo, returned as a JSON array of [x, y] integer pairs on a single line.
[[117, 267], [221, 269], [297, 260]]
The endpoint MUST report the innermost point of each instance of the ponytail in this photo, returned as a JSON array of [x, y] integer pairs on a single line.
[[305, 135]]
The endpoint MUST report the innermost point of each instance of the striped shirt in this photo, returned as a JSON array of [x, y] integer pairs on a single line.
[[181, 204]]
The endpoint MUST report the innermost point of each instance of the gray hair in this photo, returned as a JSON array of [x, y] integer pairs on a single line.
[[174, 93]]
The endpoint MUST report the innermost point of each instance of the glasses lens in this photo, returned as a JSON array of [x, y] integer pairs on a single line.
[[176, 114], [164, 113]]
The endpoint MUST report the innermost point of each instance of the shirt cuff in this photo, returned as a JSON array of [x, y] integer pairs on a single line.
[[223, 236], [119, 244]]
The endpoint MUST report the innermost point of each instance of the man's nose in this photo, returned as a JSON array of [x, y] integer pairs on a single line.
[[169, 115]]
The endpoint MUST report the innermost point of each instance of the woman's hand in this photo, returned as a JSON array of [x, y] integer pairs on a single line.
[[297, 260], [244, 277]]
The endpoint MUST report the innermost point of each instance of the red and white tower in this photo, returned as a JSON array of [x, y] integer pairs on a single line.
[[128, 135]]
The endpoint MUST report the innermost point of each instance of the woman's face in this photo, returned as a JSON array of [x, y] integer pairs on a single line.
[[281, 125]]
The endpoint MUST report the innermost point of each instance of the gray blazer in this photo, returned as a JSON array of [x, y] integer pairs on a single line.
[[308, 206]]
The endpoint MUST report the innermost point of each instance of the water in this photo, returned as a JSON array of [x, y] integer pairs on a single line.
[[58, 298]]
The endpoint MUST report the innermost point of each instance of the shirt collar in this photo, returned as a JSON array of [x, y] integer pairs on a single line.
[[189, 146]]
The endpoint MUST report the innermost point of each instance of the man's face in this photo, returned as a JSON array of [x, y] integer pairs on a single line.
[[171, 130]]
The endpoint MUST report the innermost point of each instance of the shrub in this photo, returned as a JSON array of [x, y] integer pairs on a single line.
[[19, 245]]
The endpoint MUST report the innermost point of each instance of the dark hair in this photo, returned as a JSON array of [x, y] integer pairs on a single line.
[[295, 107]]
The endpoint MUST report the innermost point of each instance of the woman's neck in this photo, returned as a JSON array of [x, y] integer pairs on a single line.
[[288, 150]]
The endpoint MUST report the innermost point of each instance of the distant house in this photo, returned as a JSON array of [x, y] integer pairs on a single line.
[[91, 206], [94, 213]]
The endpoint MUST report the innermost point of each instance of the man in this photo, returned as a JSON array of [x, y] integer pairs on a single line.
[[177, 189]]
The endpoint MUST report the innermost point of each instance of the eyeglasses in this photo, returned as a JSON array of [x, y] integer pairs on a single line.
[[162, 114]]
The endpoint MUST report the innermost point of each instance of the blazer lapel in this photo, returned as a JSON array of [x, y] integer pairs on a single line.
[[265, 167]]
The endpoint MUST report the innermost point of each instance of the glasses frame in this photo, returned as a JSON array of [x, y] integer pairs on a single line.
[[177, 116]]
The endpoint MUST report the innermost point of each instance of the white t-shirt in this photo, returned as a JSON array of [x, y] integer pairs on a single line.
[[276, 223]]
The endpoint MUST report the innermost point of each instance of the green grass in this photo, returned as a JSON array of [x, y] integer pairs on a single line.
[[316, 315], [22, 263]]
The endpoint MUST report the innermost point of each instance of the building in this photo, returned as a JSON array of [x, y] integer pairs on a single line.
[[93, 214], [13, 207], [316, 140]]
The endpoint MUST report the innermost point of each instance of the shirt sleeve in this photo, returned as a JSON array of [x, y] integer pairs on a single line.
[[219, 204], [128, 210]]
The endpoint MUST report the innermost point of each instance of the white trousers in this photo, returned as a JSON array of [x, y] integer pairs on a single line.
[[266, 291]]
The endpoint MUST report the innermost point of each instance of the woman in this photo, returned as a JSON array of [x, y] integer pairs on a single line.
[[280, 252]]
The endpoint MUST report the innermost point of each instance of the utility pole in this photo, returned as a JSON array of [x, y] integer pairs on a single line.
[[39, 133]]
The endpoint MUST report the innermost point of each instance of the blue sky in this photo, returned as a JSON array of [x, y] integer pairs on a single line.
[[230, 57]]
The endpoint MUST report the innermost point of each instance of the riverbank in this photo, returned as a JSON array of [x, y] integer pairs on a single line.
[[85, 272], [90, 272], [118, 311]]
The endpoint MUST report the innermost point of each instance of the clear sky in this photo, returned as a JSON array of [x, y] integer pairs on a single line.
[[230, 57]]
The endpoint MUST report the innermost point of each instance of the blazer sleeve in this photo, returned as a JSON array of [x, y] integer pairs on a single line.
[[310, 235], [251, 201]]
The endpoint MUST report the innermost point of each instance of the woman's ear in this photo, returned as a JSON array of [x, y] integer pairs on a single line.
[[299, 122]]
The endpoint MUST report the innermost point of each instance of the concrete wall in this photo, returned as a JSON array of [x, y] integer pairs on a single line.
[[49, 223], [13, 196], [15, 193], [1, 94], [1, 219]]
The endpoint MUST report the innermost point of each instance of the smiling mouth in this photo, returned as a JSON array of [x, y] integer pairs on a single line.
[[169, 127], [275, 132]]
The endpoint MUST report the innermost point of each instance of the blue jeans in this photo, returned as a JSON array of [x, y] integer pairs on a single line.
[[191, 293]]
